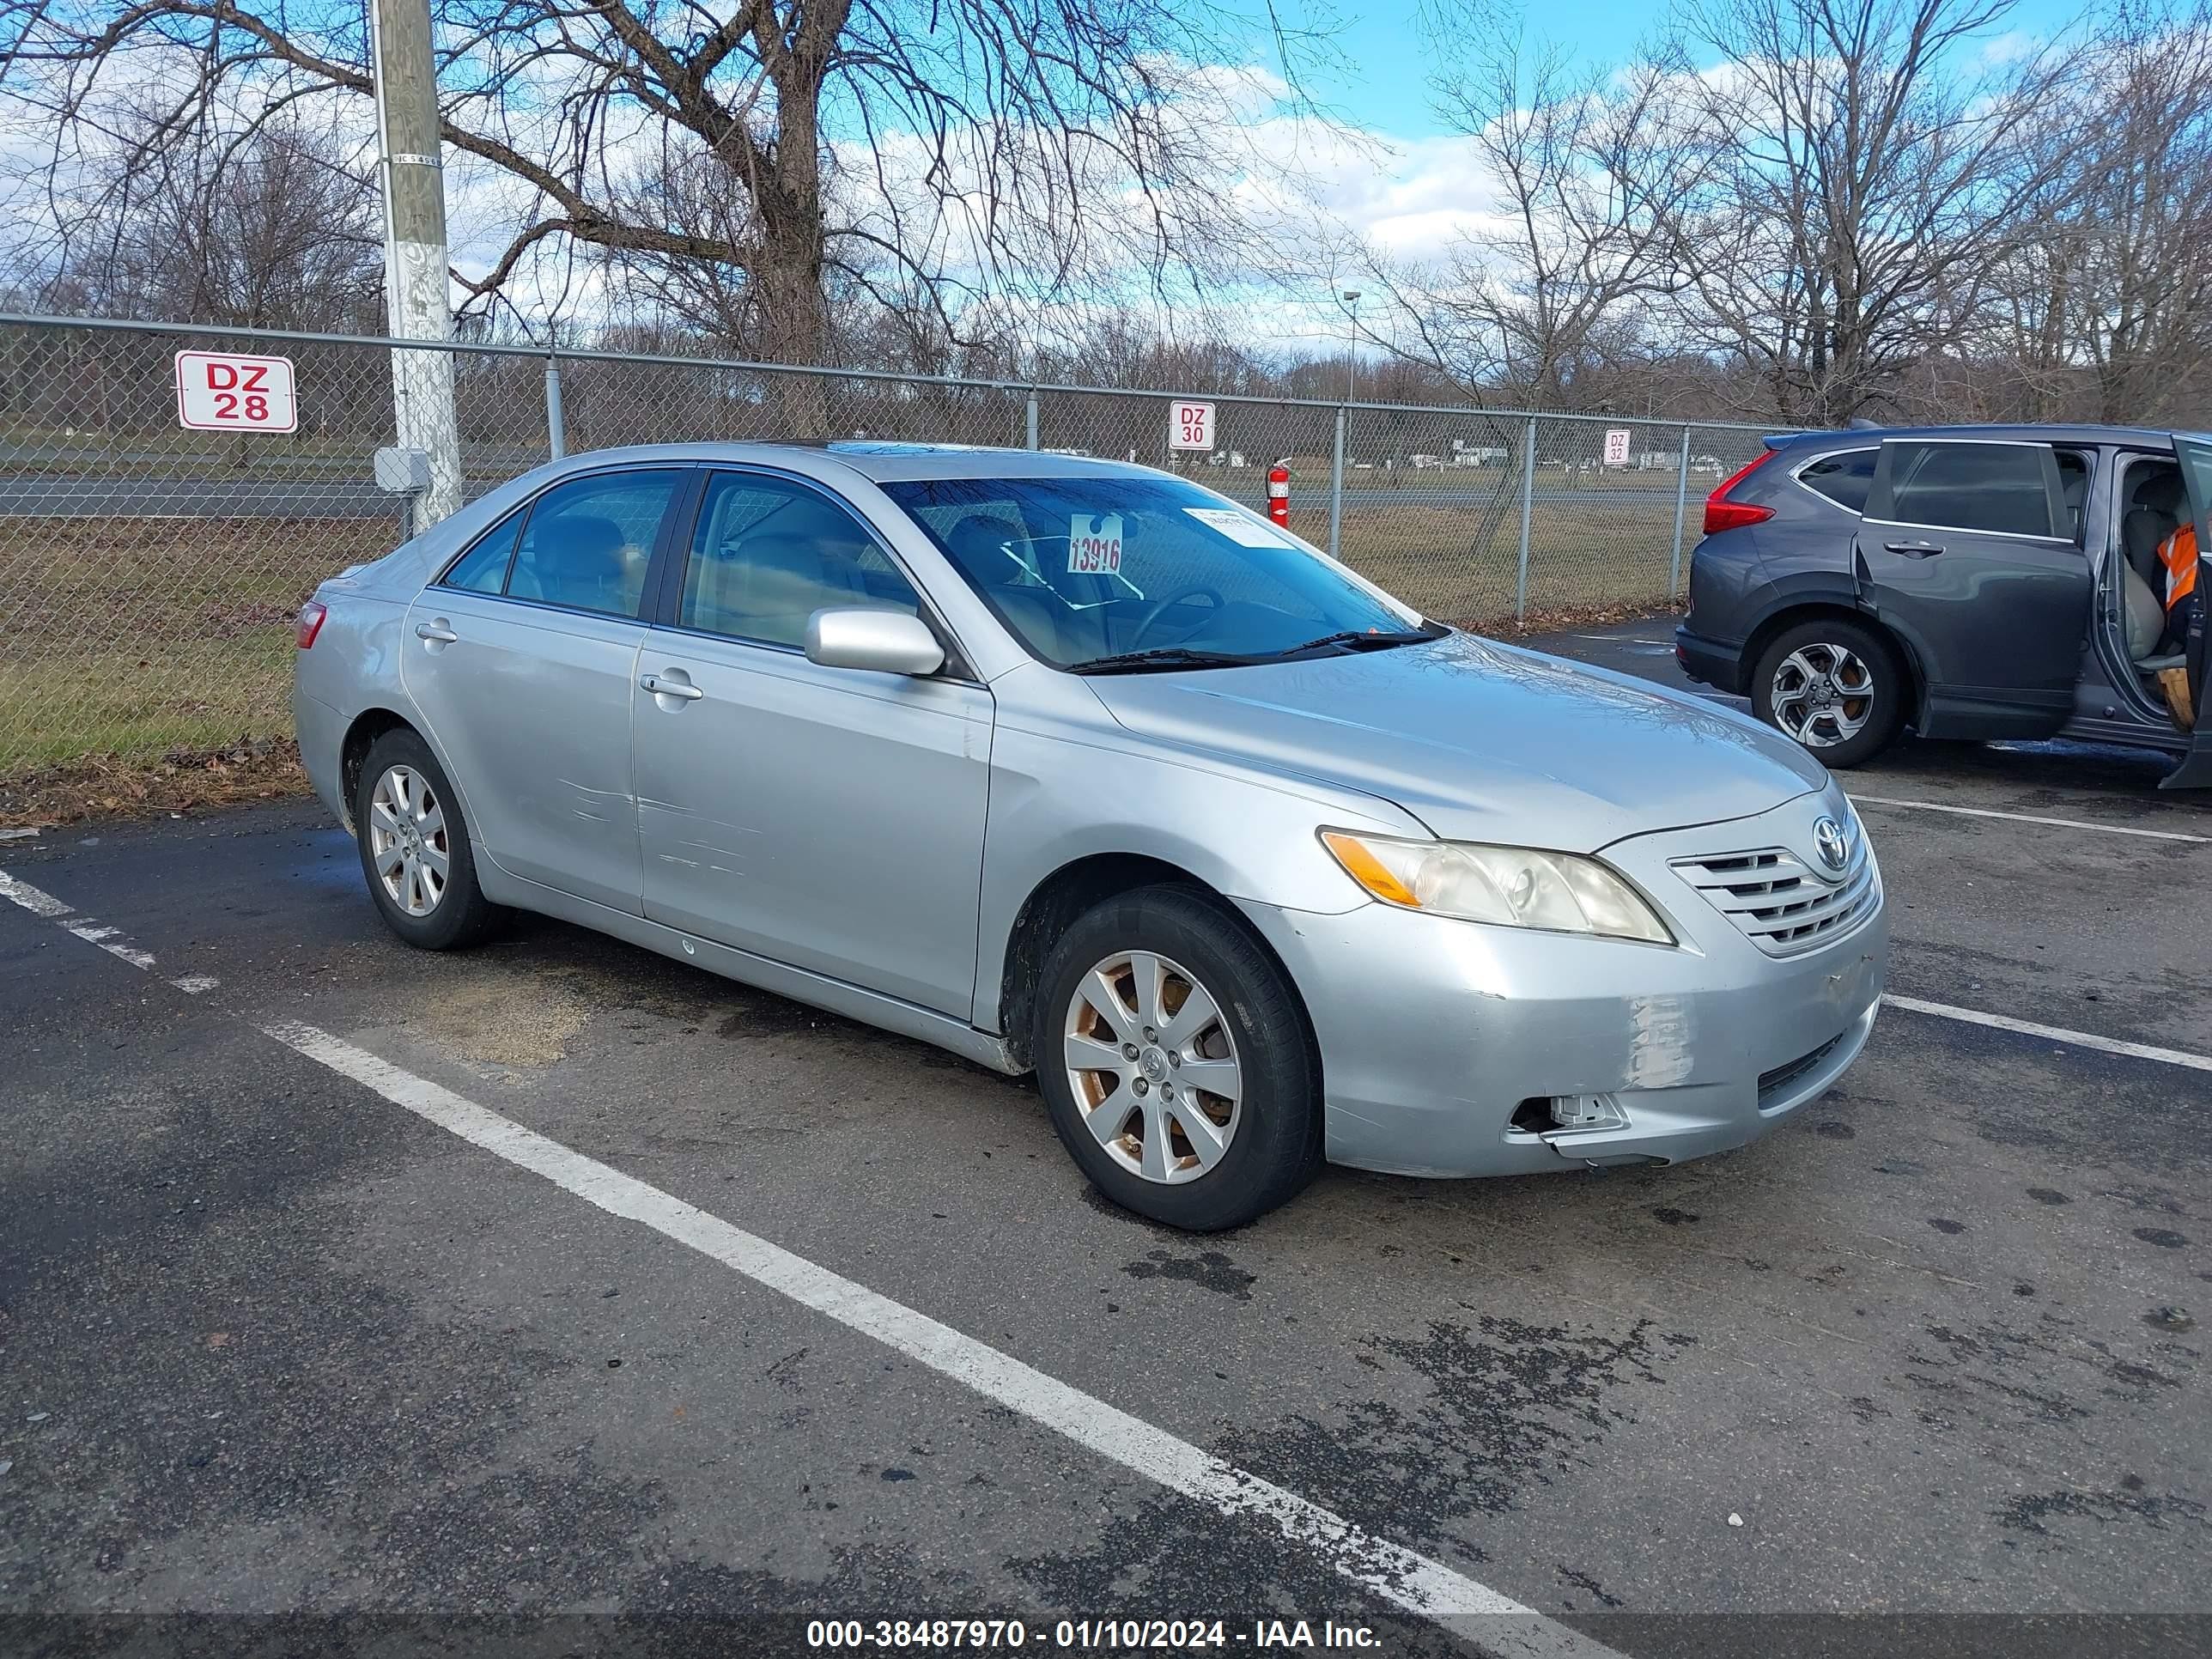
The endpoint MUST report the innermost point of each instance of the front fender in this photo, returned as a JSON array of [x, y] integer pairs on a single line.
[[1058, 797]]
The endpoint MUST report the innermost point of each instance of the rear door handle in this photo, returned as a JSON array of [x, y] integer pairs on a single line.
[[661, 688], [1914, 550], [437, 632]]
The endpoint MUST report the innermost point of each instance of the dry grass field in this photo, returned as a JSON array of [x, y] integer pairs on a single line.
[[136, 637]]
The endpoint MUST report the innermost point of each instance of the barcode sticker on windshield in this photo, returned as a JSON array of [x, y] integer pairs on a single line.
[[1094, 544], [1242, 530]]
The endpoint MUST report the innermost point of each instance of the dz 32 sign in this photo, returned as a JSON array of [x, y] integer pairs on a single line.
[[222, 391]]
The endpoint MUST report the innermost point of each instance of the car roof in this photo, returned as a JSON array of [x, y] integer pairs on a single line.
[[879, 461], [2016, 431]]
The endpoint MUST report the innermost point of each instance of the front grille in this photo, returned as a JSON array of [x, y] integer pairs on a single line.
[[1782, 905]]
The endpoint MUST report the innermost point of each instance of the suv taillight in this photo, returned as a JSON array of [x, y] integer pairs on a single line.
[[310, 624], [1721, 513]]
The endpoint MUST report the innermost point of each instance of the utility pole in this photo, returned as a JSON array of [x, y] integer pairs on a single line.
[[1351, 354], [415, 283]]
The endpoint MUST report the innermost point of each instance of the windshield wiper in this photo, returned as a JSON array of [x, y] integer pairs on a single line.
[[1355, 639], [1159, 656]]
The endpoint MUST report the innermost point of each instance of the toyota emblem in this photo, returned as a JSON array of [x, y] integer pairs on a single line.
[[1828, 842]]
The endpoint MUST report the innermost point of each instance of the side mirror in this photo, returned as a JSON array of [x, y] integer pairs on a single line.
[[886, 641]]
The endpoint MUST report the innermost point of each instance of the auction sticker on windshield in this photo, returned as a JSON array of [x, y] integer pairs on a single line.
[[1244, 531], [1094, 544]]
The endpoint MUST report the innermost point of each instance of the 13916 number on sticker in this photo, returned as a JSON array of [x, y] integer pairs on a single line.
[[1094, 544]]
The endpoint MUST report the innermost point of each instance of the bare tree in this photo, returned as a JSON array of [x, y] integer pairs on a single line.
[[1588, 171], [272, 227], [974, 146], [1868, 167], [2106, 305]]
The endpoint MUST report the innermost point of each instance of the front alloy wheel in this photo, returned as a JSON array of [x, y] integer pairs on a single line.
[[1154, 1067], [407, 843], [1176, 1060]]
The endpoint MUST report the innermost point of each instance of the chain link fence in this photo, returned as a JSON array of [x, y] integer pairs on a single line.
[[149, 572]]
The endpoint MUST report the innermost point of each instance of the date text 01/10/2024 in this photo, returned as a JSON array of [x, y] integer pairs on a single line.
[[1088, 1634]]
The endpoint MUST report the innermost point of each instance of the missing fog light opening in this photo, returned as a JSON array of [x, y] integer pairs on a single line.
[[1542, 1115]]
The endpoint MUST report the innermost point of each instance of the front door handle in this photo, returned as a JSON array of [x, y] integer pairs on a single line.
[[661, 688], [1914, 550], [437, 633]]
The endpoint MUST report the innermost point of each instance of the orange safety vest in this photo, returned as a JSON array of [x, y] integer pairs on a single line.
[[2178, 552]]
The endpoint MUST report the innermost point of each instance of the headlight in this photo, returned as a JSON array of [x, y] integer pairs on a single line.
[[1516, 886]]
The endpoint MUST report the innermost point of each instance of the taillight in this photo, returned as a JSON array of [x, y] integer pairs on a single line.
[[1723, 515], [310, 624]]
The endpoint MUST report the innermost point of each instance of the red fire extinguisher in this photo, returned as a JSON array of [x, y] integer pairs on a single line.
[[1279, 494]]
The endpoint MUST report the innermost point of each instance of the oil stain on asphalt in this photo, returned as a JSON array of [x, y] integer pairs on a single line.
[[1209, 1270], [1497, 1406]]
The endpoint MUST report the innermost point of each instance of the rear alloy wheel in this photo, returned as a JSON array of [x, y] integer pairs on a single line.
[[1176, 1058], [415, 847], [1833, 687], [409, 845]]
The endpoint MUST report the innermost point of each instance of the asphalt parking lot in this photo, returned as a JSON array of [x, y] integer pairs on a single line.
[[290, 1324]]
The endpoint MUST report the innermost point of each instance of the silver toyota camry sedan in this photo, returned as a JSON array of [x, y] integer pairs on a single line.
[[1081, 767]]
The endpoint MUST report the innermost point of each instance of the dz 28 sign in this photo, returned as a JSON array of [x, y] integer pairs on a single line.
[[221, 392]]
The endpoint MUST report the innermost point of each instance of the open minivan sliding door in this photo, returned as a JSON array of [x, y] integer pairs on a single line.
[[2195, 454]]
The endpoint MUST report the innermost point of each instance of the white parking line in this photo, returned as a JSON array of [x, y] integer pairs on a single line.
[[2029, 818], [1400, 1576], [108, 940], [1407, 1579], [38, 903], [2055, 1033]]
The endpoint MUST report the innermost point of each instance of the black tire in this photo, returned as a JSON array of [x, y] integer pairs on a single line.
[[1888, 686], [1275, 1144], [461, 915]]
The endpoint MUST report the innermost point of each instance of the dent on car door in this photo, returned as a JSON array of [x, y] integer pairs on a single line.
[[1967, 552], [829, 819], [521, 657]]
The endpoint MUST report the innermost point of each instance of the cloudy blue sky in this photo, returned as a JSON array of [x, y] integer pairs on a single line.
[[1382, 85]]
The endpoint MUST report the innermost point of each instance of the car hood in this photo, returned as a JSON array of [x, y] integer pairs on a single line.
[[1481, 741]]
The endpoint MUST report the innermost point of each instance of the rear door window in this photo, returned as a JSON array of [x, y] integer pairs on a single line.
[[2073, 489], [1845, 479], [2006, 489], [588, 543], [482, 569]]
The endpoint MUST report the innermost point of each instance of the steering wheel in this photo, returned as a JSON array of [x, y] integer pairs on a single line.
[[1159, 607]]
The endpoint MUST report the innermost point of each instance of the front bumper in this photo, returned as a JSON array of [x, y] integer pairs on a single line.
[[1432, 1032]]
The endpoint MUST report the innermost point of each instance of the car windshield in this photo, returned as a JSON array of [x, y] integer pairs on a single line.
[[1122, 574]]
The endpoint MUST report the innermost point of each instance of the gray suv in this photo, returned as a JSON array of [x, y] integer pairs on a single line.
[[1976, 582]]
